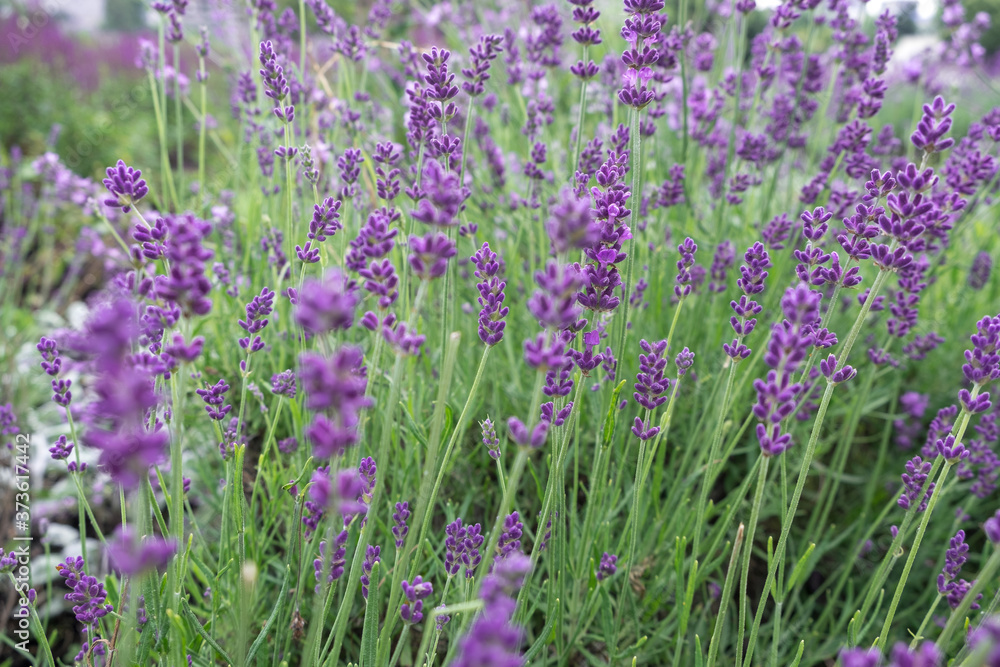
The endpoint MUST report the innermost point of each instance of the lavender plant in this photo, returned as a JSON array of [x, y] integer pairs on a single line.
[[476, 237]]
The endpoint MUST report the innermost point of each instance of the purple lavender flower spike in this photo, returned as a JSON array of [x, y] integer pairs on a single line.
[[510, 539], [372, 556], [685, 276], [400, 517], [490, 439], [489, 270], [992, 528], [979, 272], [454, 546], [335, 565], [283, 383], [91, 604], [651, 385], [429, 255], [61, 449], [554, 304], [607, 567], [914, 479], [948, 583], [125, 185], [571, 223], [415, 594], [130, 556], [933, 125], [327, 304], [214, 396], [492, 639], [983, 360]]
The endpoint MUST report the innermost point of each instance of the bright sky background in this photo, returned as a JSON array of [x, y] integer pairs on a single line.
[[926, 9]]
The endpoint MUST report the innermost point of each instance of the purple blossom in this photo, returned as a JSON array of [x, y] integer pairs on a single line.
[[979, 272], [983, 360], [214, 396], [509, 541], [335, 388], [91, 604], [399, 518], [492, 639], [685, 275], [415, 594], [429, 255], [490, 439], [491, 286], [933, 125], [372, 556], [328, 304], [283, 383], [571, 223], [125, 185], [131, 556], [554, 304], [61, 449], [334, 564], [607, 567]]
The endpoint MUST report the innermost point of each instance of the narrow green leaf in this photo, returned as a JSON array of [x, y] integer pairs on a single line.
[[278, 606], [799, 568], [369, 636]]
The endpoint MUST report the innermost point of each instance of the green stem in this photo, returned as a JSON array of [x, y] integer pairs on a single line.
[[789, 517], [727, 591], [635, 200], [748, 554], [959, 432]]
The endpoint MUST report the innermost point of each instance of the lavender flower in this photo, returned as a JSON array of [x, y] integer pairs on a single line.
[[91, 604], [979, 272], [490, 439], [325, 222], [607, 566], [948, 582], [509, 541], [685, 276], [335, 564], [372, 556], [914, 479], [125, 185], [415, 594], [335, 385], [429, 255], [571, 223], [327, 304], [131, 556], [933, 125], [491, 295], [257, 311], [454, 546], [400, 517], [787, 348], [61, 449], [275, 83], [554, 304], [214, 396], [283, 383], [492, 639]]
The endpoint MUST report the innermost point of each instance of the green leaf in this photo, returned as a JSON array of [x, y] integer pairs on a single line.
[[798, 654], [369, 636], [609, 421], [799, 568], [278, 606]]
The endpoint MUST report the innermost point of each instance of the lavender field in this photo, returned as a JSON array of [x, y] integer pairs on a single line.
[[490, 333]]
